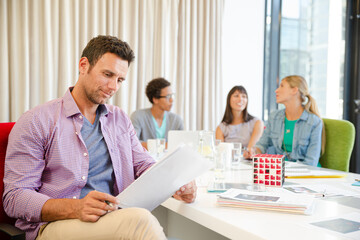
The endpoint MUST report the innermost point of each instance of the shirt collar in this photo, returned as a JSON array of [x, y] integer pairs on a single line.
[[71, 108], [103, 109], [304, 116]]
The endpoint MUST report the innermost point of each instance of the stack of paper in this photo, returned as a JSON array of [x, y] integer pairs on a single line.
[[276, 199], [299, 170]]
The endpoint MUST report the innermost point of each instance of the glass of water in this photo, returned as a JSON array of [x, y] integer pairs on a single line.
[[237, 145], [235, 158], [219, 164], [151, 146], [236, 155], [160, 146]]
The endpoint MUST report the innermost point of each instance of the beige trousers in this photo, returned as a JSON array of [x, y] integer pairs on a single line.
[[129, 223]]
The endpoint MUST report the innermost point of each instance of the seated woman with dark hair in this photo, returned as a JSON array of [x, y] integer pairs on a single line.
[[155, 122], [237, 124]]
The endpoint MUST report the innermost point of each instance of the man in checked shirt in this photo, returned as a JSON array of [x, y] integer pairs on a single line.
[[68, 158]]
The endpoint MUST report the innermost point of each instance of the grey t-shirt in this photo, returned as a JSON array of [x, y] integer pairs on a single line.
[[238, 133], [144, 125]]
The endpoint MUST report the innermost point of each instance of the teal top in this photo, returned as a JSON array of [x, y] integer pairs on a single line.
[[160, 131], [288, 135]]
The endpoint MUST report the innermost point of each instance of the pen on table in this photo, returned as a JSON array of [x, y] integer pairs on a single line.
[[324, 193]]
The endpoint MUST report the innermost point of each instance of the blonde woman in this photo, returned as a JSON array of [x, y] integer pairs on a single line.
[[296, 130]]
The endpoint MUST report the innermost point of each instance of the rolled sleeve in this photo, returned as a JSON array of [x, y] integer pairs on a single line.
[[25, 204]]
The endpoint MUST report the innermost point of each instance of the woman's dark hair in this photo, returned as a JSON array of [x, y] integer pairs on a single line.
[[228, 116], [154, 87]]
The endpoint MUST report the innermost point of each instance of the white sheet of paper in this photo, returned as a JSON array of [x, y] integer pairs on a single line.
[[164, 178], [345, 226], [327, 190], [294, 173]]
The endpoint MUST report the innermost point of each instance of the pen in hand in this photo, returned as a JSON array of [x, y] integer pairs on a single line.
[[112, 205], [109, 203]]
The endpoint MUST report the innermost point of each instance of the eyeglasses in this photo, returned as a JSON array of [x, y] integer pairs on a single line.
[[169, 96]]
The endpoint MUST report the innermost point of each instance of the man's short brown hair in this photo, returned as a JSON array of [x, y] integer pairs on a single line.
[[101, 44]]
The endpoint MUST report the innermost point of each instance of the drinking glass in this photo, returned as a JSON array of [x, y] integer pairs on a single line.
[[160, 146], [219, 164], [237, 145], [235, 158], [151, 146], [217, 142], [206, 144]]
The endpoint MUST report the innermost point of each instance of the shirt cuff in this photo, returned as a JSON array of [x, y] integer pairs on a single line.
[[34, 207], [260, 147]]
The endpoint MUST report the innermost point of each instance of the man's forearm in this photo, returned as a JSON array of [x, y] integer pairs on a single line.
[[59, 209], [88, 209]]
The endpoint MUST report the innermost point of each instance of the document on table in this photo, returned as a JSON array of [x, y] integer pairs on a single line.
[[274, 199], [164, 178], [345, 226], [306, 173], [299, 170], [321, 190]]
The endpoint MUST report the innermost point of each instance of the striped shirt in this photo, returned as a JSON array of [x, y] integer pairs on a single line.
[[47, 158]]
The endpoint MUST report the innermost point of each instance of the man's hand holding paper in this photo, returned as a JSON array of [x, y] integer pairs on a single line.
[[187, 193], [165, 177]]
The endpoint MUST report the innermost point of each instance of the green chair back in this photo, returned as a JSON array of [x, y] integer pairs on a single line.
[[340, 138]]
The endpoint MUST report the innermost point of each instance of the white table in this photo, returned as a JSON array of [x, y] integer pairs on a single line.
[[204, 219]]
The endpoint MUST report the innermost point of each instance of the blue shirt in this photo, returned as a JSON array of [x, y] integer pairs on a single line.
[[306, 145], [101, 171]]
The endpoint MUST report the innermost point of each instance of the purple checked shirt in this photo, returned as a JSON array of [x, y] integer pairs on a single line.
[[47, 158]]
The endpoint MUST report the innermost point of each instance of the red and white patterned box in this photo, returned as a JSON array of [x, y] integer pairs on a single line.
[[269, 170]]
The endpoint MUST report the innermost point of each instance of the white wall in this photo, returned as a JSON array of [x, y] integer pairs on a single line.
[[243, 50]]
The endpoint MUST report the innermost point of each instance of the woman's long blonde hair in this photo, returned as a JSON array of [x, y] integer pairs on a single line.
[[311, 106]]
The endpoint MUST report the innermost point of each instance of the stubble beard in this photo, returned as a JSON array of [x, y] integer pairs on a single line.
[[95, 98]]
